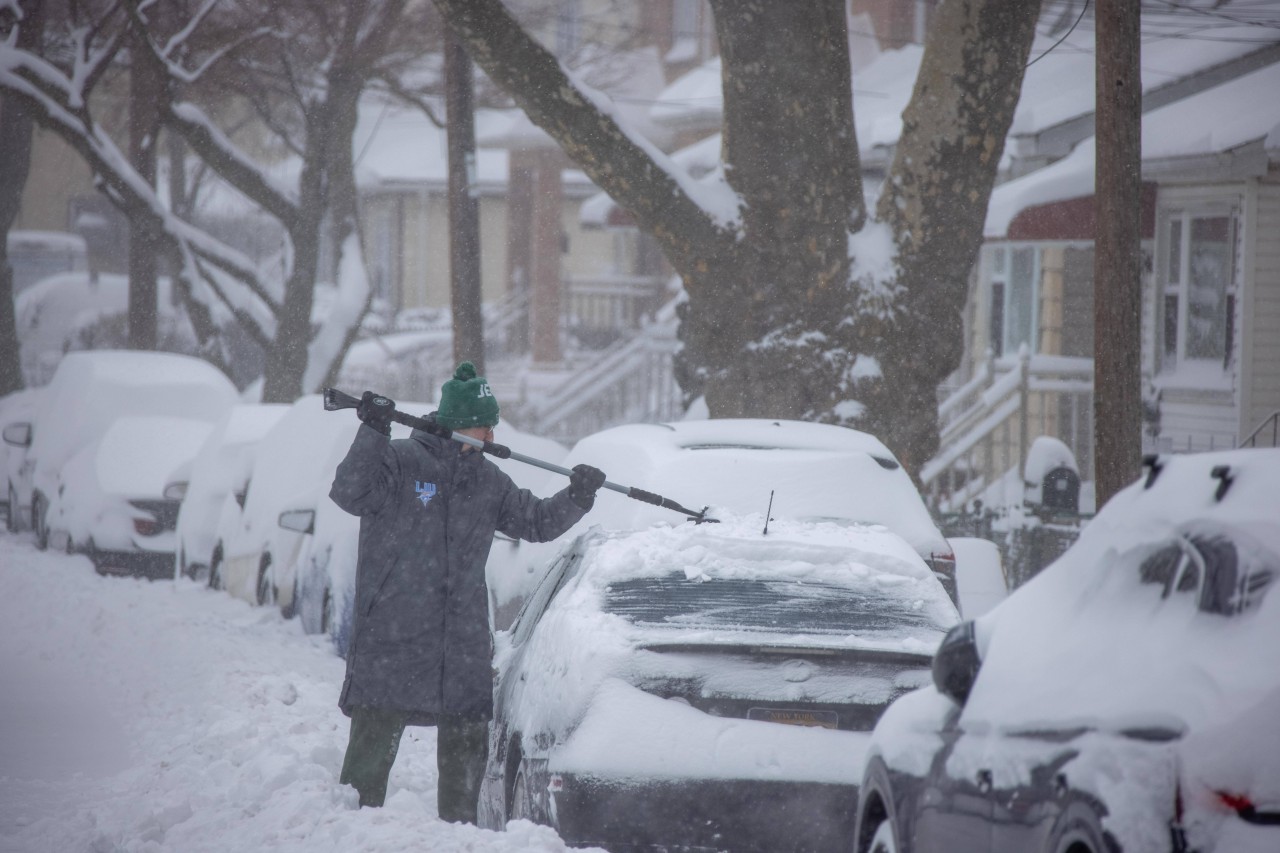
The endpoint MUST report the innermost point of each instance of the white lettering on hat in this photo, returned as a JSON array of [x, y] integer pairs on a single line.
[[484, 392]]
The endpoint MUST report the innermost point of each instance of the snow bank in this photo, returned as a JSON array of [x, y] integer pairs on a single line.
[[165, 717]]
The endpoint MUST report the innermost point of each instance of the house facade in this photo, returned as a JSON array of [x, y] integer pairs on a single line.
[[1211, 294]]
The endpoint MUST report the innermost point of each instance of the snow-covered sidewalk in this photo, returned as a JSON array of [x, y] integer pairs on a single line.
[[141, 716]]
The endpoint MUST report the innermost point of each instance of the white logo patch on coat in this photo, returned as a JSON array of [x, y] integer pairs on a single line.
[[426, 491]]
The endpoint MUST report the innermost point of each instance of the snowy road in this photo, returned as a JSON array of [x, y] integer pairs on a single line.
[[139, 716]]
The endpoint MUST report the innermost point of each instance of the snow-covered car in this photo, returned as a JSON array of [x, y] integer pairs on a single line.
[[255, 558], [90, 390], [116, 500], [36, 255], [707, 686], [219, 477], [16, 412], [79, 311], [327, 566], [1126, 698], [792, 469]]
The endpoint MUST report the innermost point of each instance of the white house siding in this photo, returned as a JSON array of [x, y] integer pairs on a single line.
[[1193, 420], [1262, 334]]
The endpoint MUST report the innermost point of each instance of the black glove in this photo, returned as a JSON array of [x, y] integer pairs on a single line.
[[584, 482], [375, 410]]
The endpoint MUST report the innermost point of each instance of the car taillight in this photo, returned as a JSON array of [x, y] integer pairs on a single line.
[[944, 563], [1244, 806], [145, 526]]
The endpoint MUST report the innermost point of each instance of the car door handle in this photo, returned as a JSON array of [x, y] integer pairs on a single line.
[[984, 781]]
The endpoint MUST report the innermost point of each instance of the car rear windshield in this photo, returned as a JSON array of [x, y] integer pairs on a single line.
[[774, 606]]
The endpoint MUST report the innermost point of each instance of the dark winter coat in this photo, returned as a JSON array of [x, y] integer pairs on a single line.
[[420, 636]]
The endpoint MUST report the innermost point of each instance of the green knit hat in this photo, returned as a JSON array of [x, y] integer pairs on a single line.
[[466, 400]]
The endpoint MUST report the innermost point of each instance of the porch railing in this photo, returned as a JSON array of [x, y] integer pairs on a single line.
[[631, 381], [987, 424], [1267, 431]]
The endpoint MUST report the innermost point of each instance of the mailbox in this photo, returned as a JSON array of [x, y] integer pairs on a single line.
[[1060, 491]]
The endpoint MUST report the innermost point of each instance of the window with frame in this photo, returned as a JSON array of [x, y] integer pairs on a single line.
[[1198, 287], [1015, 310], [690, 33]]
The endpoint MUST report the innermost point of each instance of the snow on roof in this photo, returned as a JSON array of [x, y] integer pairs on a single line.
[[1218, 120], [59, 241], [396, 144], [701, 160], [1169, 52], [1215, 121], [693, 99], [628, 79]]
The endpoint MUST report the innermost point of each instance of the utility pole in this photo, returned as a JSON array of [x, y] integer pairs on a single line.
[[144, 128], [464, 213], [1117, 264]]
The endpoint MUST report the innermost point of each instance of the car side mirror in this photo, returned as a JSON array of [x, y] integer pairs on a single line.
[[19, 434], [298, 520], [956, 663], [174, 491]]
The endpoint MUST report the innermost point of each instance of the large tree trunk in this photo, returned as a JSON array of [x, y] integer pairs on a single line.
[[16, 126], [793, 158], [935, 199], [145, 83]]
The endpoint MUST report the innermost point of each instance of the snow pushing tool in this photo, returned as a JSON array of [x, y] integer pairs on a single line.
[[335, 400]]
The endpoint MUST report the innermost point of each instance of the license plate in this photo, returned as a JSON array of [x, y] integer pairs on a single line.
[[795, 717]]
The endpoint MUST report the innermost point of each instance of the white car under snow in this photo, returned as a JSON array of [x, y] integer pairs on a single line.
[[90, 390], [218, 480], [116, 499]]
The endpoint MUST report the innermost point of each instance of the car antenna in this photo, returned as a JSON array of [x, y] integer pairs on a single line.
[[767, 519]]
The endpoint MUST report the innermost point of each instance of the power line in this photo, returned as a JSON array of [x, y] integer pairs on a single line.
[[1083, 9]]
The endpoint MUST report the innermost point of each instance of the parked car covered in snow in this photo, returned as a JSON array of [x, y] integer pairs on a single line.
[[16, 412], [90, 390], [257, 556], [707, 686], [117, 500], [792, 469], [1126, 698], [218, 482]]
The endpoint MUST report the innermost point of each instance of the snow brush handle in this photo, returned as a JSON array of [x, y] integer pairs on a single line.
[[335, 400]]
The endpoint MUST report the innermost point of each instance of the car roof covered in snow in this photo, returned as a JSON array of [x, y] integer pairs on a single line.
[[808, 470], [91, 389]]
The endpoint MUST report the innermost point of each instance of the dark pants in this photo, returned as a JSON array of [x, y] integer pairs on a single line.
[[462, 747]]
